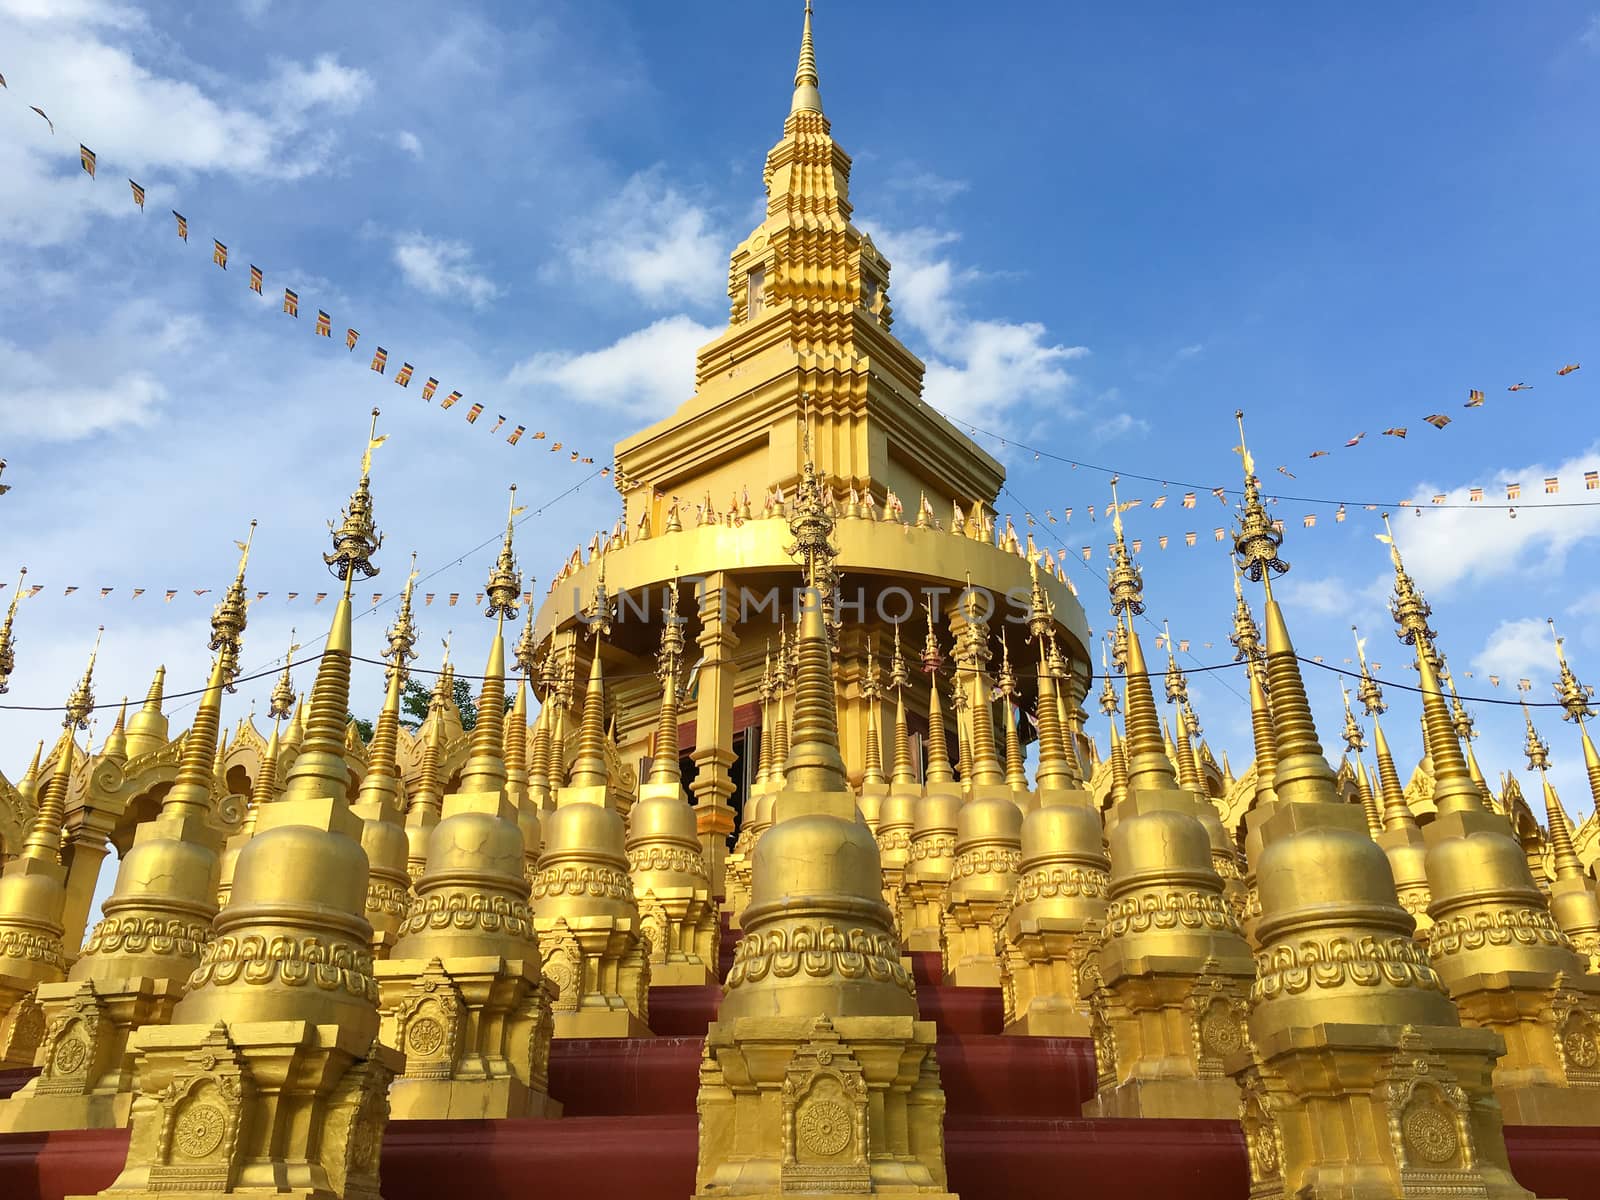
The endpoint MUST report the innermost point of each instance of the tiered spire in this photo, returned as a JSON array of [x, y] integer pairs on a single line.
[[8, 645], [669, 665], [806, 96], [44, 837], [871, 687], [485, 769]]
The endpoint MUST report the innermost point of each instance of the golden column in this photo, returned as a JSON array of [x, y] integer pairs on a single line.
[[1572, 897], [935, 819], [137, 962], [1357, 1079], [425, 804], [817, 1074], [1494, 943], [381, 802], [1168, 981], [583, 902], [1246, 639], [757, 813], [1400, 835], [874, 784], [33, 891], [270, 1078], [1058, 905], [462, 994], [713, 753], [898, 813], [268, 776], [988, 827], [676, 908]]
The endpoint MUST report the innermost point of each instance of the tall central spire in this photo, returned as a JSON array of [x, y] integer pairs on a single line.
[[806, 96]]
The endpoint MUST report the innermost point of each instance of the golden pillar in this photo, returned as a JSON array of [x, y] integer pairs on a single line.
[[137, 963], [988, 828], [270, 1078], [462, 994], [676, 908], [583, 901], [713, 752], [898, 812], [33, 894], [1168, 981], [1507, 965], [1054, 914], [935, 819], [381, 802], [757, 813], [1358, 1079]]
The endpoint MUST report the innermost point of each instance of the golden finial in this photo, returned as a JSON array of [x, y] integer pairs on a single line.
[[505, 581], [1246, 635], [526, 652], [1177, 684], [116, 744], [402, 635], [229, 617], [8, 647], [597, 613], [1148, 765], [899, 673], [1459, 716], [1108, 694], [357, 539], [1410, 610], [1574, 697], [1537, 750], [1257, 540], [1124, 581], [1453, 788], [1006, 679], [281, 701], [806, 96], [1355, 741], [932, 657], [589, 766], [81, 702], [814, 760], [1367, 690]]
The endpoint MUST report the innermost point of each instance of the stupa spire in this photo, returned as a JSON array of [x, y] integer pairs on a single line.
[[872, 770], [44, 837], [664, 763], [806, 96], [8, 646]]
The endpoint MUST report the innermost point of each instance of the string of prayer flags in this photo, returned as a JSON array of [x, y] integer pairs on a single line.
[[449, 401], [183, 224], [403, 375], [1474, 399], [380, 360], [138, 194], [86, 157], [1395, 431], [1569, 369], [219, 254], [474, 413], [291, 302], [1437, 420], [324, 327], [500, 419], [255, 279], [350, 339], [515, 435], [428, 388], [1520, 387]]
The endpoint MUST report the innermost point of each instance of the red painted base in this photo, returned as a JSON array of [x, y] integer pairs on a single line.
[[1014, 1126]]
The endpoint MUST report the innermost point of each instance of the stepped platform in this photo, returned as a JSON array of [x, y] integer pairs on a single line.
[[1014, 1125]]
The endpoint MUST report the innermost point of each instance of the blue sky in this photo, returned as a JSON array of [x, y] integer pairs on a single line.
[[1110, 226]]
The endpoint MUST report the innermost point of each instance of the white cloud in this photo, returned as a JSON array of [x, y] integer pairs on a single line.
[[1470, 544], [71, 413], [86, 61], [1516, 649], [1192, 350], [442, 267], [1590, 37], [409, 142], [649, 371], [655, 241], [977, 368]]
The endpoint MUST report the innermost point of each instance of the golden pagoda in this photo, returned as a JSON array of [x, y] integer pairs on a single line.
[[1357, 1078], [1508, 966], [1168, 980], [269, 1076], [461, 990], [33, 893], [138, 962]]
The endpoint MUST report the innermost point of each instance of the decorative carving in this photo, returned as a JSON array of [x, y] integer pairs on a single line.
[[677, 860], [933, 845], [199, 1130], [257, 959], [389, 898], [1148, 910], [149, 935], [1474, 931], [1332, 962], [986, 860], [819, 950], [825, 1127], [1056, 882], [563, 965], [607, 882], [35, 947], [463, 910], [1430, 1134]]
